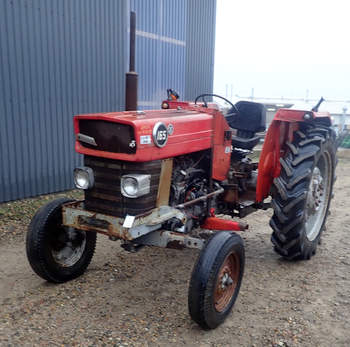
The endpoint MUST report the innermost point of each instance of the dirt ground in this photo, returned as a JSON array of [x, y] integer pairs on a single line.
[[141, 299]]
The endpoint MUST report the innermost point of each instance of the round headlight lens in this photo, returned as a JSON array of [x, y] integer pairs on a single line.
[[83, 178], [130, 186]]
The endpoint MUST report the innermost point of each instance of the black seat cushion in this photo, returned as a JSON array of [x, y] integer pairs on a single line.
[[245, 143], [251, 117]]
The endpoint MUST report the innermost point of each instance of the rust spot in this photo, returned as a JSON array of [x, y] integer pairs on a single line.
[[177, 233], [125, 234], [93, 222], [175, 244]]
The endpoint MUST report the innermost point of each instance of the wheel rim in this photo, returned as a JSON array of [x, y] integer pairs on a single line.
[[67, 246], [318, 197], [226, 282]]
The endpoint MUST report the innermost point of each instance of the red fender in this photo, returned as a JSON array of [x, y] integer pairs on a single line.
[[284, 124]]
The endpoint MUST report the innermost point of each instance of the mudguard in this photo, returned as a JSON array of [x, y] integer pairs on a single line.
[[284, 124]]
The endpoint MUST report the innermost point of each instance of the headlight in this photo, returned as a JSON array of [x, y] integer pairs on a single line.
[[133, 186], [83, 177], [130, 186]]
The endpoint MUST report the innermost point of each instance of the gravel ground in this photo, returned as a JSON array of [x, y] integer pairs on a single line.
[[141, 299]]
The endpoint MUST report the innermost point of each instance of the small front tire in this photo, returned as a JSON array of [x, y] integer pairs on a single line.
[[57, 253], [216, 279]]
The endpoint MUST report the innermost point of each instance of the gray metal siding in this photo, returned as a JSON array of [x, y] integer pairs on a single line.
[[57, 58], [161, 49], [200, 47], [175, 48]]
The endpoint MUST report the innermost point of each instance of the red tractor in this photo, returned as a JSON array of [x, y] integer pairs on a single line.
[[160, 178]]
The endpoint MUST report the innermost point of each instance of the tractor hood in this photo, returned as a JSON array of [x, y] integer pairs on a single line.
[[143, 135]]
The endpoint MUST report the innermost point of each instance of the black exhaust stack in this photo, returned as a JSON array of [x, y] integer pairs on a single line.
[[131, 76]]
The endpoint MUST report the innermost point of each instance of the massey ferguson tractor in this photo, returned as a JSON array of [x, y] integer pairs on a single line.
[[166, 177]]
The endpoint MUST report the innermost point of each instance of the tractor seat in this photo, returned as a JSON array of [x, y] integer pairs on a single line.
[[250, 119], [248, 142]]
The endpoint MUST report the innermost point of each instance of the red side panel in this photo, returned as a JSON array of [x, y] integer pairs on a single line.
[[269, 165], [221, 147]]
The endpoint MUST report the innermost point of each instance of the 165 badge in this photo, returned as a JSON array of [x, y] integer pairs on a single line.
[[160, 134]]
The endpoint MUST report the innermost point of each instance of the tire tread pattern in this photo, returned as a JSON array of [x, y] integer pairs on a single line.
[[203, 278], [289, 190], [35, 245]]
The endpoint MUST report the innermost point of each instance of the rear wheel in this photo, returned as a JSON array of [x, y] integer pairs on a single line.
[[216, 279], [302, 193], [55, 252]]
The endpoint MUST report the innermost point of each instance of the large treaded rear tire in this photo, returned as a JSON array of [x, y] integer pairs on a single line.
[[295, 236], [216, 279], [46, 238]]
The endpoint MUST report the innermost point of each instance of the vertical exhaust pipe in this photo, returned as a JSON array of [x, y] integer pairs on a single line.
[[131, 76]]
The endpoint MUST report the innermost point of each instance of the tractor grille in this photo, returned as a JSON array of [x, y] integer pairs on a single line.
[[109, 136], [105, 197]]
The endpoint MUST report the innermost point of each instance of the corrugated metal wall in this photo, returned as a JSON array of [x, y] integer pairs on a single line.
[[62, 57], [161, 49], [200, 47], [177, 40], [57, 58]]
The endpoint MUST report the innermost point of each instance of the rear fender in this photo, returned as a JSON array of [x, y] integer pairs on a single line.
[[284, 124]]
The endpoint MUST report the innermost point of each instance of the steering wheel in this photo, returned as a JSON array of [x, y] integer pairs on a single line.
[[233, 107]]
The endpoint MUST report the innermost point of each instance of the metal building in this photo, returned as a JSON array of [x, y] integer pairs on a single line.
[[61, 57]]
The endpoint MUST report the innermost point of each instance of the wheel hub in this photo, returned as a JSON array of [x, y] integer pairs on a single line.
[[316, 191], [68, 246], [226, 282]]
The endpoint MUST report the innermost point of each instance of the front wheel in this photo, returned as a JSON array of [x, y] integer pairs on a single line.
[[55, 252], [216, 279], [302, 193]]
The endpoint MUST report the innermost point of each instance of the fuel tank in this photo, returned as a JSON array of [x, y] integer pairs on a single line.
[[142, 136]]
